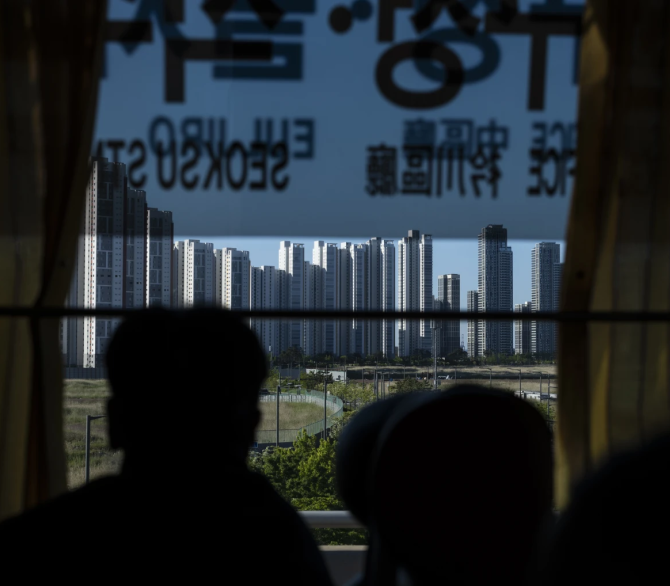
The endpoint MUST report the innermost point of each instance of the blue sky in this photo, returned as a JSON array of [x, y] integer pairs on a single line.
[[338, 91]]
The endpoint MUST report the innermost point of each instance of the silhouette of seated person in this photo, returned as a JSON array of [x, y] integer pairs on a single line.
[[354, 451], [183, 409], [615, 529], [459, 490]]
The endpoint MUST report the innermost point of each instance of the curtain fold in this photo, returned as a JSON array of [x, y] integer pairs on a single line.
[[50, 59], [615, 389]]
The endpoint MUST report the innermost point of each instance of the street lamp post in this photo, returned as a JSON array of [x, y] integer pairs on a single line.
[[87, 465], [277, 413], [434, 357], [325, 405]]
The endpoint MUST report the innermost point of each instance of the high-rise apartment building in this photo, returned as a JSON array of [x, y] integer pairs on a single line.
[[232, 270], [194, 273], [264, 285], [100, 279], [545, 283], [292, 262], [448, 299], [313, 330], [346, 290], [495, 289], [135, 237], [359, 297], [558, 279], [113, 262], [415, 291], [327, 258], [473, 325], [522, 329], [380, 296], [160, 242]]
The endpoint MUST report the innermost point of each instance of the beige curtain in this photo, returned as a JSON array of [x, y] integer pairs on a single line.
[[614, 383], [50, 56]]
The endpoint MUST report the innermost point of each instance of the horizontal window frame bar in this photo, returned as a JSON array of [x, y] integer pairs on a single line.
[[286, 314]]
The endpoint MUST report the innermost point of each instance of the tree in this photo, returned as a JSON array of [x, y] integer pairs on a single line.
[[314, 380], [272, 381], [548, 413], [353, 395], [292, 354], [304, 475], [411, 385]]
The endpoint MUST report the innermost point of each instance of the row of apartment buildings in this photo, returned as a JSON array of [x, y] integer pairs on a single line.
[[127, 258], [495, 293], [540, 337]]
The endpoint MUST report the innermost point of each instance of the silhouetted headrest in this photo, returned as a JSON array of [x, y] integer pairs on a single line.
[[615, 529], [461, 483], [354, 453]]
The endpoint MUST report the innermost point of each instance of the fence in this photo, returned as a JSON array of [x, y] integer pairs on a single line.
[[79, 372], [333, 406]]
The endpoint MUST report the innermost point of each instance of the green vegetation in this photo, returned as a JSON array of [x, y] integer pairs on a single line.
[[354, 395], [305, 476], [420, 358], [89, 397], [410, 385], [82, 398]]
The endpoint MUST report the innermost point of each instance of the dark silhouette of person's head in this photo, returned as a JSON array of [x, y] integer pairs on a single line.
[[461, 485], [184, 407], [614, 531], [184, 387]]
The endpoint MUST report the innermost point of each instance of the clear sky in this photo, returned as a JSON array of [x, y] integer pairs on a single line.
[[330, 113]]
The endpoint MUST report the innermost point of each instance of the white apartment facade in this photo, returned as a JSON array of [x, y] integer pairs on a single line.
[[473, 325], [346, 290], [194, 274], [232, 270], [264, 285], [415, 291], [292, 263], [99, 281], [380, 295], [522, 329], [326, 257]]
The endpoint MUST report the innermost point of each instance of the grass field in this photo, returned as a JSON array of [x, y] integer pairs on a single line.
[[82, 398], [291, 415], [527, 385], [466, 372], [89, 397]]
